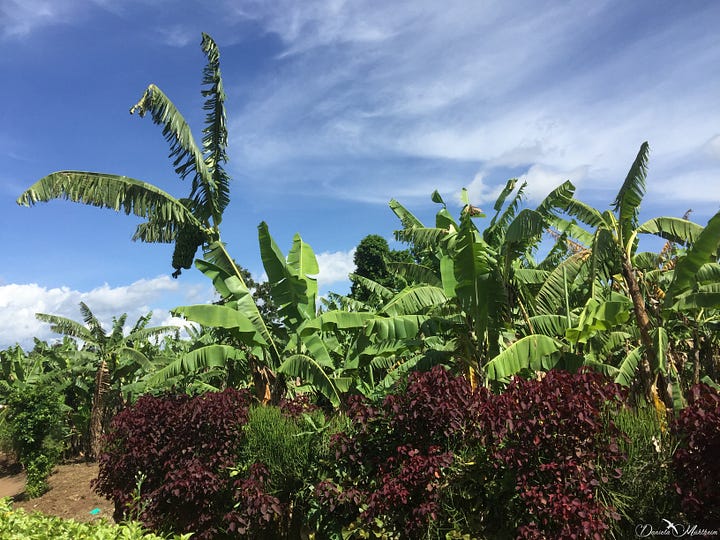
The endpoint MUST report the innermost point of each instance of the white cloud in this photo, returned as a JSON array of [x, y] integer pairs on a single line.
[[334, 268], [454, 82], [541, 180], [480, 192], [177, 35], [20, 302]]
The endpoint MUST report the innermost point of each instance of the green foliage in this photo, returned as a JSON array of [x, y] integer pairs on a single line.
[[19, 525], [278, 443], [643, 493], [374, 260], [36, 431]]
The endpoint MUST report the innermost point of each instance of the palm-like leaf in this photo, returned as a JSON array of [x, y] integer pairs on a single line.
[[677, 230], [535, 352], [703, 251], [310, 371], [627, 202], [118, 193], [413, 300], [407, 218], [215, 132], [65, 326]]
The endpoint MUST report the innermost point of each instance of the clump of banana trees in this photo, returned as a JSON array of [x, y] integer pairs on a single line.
[[585, 304]]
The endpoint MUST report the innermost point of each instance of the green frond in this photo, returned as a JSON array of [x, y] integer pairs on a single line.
[[312, 373], [193, 362], [558, 199], [551, 296], [415, 273], [572, 230], [373, 286], [703, 251], [500, 201], [92, 323], [534, 352], [187, 157], [415, 299], [677, 230], [626, 371], [627, 202], [495, 233], [422, 237], [407, 218], [118, 193], [586, 214], [215, 131], [65, 326]]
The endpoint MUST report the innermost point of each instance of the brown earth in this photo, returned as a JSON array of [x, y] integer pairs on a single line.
[[70, 495]]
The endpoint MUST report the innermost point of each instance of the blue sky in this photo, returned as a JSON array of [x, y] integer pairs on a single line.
[[335, 107]]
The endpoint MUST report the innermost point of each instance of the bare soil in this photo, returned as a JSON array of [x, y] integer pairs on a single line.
[[70, 495]]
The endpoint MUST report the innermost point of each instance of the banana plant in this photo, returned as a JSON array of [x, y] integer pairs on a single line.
[[189, 222], [481, 273], [116, 359], [308, 350], [610, 261]]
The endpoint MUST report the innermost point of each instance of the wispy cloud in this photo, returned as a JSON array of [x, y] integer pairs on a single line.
[[18, 18], [559, 88]]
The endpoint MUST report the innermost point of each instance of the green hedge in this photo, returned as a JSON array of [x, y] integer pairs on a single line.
[[16, 524]]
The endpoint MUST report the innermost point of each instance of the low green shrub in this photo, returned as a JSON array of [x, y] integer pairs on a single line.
[[36, 431], [644, 493], [19, 525], [281, 458]]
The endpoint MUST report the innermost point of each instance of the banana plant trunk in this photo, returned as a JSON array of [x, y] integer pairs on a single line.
[[643, 322], [97, 414]]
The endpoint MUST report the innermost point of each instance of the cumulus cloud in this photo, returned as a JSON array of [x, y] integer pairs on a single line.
[[20, 302], [334, 268]]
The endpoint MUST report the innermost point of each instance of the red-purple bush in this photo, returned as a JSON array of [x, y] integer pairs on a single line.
[[696, 461], [528, 463], [549, 446], [390, 465], [182, 447]]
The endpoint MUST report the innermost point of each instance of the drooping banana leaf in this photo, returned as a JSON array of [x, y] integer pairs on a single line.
[[703, 251], [628, 367], [312, 373], [534, 352], [677, 230], [415, 299]]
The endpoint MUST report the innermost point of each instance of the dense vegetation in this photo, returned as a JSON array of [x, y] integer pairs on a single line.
[[538, 376]]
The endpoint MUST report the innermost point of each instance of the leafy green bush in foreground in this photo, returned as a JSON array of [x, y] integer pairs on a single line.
[[19, 525]]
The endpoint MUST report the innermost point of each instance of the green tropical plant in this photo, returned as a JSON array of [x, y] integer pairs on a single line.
[[611, 261], [189, 222], [472, 282], [306, 347], [116, 359]]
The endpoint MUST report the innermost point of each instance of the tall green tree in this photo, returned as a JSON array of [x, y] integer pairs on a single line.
[[189, 222], [374, 260]]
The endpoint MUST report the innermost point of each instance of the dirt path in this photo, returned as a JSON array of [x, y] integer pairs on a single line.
[[70, 494]]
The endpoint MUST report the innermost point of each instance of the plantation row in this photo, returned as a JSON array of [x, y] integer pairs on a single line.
[[465, 386]]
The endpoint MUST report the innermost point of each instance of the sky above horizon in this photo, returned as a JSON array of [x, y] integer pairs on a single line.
[[335, 107]]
